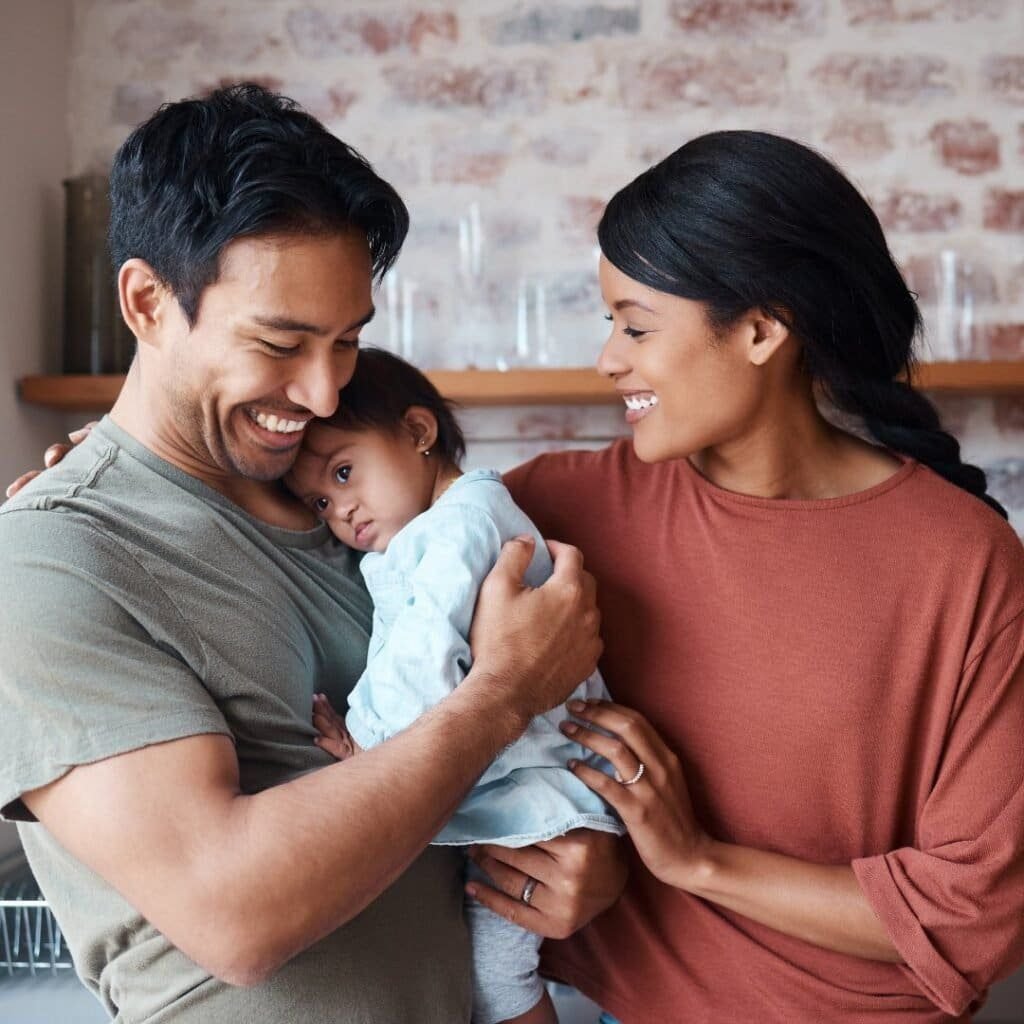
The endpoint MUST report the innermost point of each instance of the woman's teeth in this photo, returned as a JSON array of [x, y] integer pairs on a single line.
[[278, 426], [638, 404]]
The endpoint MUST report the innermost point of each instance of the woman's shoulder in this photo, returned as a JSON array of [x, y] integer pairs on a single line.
[[609, 466], [933, 503], [951, 537]]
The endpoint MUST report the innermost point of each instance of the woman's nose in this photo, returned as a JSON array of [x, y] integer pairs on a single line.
[[611, 363]]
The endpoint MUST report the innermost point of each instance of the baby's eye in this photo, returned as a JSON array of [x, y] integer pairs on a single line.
[[320, 504], [342, 473]]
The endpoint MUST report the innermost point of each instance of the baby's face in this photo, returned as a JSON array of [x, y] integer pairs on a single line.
[[364, 484]]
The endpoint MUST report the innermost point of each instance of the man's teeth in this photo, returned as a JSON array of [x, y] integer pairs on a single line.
[[278, 426], [637, 404]]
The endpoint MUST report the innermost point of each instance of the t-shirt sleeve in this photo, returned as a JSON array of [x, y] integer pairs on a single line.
[[530, 488], [425, 652], [953, 904], [96, 660]]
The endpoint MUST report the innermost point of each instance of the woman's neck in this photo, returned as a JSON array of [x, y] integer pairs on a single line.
[[793, 452]]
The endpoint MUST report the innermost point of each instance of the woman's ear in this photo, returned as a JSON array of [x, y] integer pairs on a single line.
[[421, 424], [767, 335], [144, 300]]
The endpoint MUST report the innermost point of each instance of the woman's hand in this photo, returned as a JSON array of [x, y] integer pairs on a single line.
[[819, 903], [652, 799]]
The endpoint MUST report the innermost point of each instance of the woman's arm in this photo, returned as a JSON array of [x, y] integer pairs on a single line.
[[821, 904]]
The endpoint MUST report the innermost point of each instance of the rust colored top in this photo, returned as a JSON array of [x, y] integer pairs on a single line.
[[844, 682]]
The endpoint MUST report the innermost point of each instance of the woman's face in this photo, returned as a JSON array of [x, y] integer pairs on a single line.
[[685, 388]]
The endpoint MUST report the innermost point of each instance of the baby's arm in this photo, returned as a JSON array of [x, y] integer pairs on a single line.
[[330, 726]]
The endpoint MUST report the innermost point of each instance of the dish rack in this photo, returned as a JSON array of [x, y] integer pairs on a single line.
[[31, 941]]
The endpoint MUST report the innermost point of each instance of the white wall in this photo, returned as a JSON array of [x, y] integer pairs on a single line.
[[35, 46]]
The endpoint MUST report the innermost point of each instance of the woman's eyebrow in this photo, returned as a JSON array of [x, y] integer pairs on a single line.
[[632, 303]]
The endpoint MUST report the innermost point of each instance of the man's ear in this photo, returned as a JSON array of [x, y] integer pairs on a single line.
[[146, 303], [421, 424], [767, 335]]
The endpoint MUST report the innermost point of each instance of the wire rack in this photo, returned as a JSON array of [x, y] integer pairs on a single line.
[[31, 942]]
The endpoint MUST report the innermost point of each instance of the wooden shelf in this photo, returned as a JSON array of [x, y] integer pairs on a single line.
[[989, 378], [84, 393]]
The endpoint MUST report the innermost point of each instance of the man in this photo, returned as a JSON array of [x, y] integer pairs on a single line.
[[171, 611]]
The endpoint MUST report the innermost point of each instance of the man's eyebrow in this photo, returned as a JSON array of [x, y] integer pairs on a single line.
[[632, 303], [290, 325]]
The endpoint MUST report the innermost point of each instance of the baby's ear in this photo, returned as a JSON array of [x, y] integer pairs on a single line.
[[421, 424]]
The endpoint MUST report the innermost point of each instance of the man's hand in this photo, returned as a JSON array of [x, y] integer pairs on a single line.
[[51, 457], [577, 876], [540, 643]]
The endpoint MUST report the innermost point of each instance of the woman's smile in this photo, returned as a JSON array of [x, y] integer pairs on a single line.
[[638, 404]]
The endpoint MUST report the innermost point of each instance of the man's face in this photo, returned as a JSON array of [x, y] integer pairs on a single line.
[[275, 339]]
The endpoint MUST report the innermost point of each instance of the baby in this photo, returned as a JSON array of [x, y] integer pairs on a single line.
[[383, 474]]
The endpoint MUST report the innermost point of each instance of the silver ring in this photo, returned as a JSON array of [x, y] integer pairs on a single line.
[[636, 778], [527, 895]]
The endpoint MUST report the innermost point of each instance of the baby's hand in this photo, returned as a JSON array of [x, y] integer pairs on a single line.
[[333, 736]]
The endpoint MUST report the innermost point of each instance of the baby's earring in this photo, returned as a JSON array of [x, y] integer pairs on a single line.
[[426, 451]]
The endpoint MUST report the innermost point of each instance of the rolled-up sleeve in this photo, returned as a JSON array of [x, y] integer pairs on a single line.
[[953, 904]]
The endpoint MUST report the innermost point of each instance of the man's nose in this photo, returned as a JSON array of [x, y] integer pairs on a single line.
[[316, 384]]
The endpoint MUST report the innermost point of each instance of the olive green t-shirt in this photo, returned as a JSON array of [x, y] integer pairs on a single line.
[[140, 606]]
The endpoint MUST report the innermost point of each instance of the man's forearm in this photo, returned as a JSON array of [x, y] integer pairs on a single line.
[[354, 827], [280, 869]]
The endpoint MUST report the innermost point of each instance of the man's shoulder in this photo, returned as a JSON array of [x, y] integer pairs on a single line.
[[95, 515], [47, 517], [96, 474], [102, 490]]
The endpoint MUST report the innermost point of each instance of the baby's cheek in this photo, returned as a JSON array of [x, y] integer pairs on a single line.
[[298, 479], [291, 484]]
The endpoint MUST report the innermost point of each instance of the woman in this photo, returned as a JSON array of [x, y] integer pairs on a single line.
[[821, 636]]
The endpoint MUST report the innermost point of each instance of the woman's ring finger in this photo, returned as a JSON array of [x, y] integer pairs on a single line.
[[638, 775]]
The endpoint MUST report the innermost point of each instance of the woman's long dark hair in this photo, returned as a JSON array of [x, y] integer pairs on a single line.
[[746, 220]]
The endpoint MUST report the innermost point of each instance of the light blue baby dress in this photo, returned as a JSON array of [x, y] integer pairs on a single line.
[[424, 589]]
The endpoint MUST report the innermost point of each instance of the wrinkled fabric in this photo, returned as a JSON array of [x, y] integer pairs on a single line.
[[424, 589]]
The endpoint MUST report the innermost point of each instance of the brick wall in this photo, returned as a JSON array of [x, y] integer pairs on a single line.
[[506, 125]]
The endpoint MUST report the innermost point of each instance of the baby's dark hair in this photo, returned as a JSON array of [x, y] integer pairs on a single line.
[[381, 391]]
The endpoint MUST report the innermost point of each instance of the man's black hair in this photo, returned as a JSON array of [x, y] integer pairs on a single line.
[[237, 163]]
